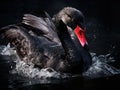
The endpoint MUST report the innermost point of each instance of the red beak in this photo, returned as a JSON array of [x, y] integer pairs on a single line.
[[80, 33]]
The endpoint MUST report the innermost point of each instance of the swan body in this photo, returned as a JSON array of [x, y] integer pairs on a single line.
[[50, 42]]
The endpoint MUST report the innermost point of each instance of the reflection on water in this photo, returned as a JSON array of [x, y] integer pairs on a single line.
[[20, 75]]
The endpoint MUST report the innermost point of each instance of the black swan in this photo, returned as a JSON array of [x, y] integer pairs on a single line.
[[57, 42]]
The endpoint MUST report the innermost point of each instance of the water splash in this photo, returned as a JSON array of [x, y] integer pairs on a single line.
[[29, 71], [99, 68], [7, 50]]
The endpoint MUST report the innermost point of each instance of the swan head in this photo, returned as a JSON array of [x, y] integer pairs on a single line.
[[72, 17]]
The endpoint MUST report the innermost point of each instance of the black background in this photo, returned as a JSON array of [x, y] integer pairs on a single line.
[[102, 17], [102, 23]]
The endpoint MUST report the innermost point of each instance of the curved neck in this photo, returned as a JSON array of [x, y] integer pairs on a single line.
[[67, 43]]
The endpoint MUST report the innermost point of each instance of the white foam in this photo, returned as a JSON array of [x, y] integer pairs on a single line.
[[29, 71], [100, 67]]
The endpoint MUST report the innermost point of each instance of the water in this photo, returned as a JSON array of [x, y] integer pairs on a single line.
[[18, 75]]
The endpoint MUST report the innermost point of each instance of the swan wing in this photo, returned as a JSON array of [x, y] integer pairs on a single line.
[[43, 24]]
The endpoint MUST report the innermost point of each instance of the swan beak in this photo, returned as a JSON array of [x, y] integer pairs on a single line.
[[80, 33]]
